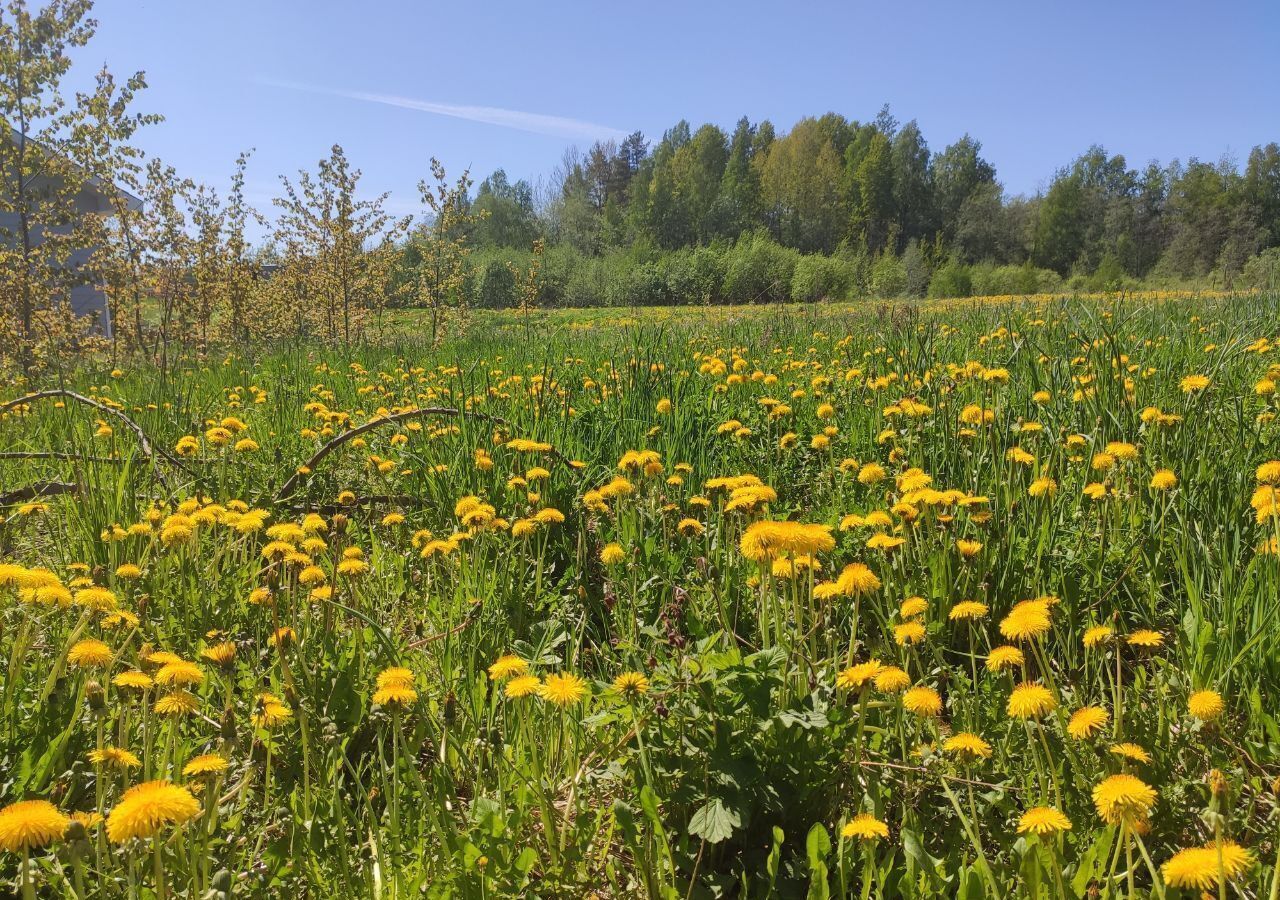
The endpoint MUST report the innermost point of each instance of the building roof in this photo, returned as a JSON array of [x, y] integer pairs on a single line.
[[104, 188]]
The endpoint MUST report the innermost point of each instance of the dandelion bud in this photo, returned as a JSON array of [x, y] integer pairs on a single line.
[[339, 522], [222, 881], [450, 708], [75, 831], [1217, 783], [228, 726], [95, 696]]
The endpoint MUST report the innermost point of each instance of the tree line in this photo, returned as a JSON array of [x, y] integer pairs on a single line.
[[841, 207], [833, 208]]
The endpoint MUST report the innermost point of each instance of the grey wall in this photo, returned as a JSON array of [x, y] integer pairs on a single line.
[[86, 299]]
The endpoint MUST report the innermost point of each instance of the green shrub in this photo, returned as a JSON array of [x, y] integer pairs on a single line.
[[918, 272], [757, 270], [494, 285], [952, 280], [888, 276], [1263, 271], [1109, 276], [819, 277], [1002, 281]]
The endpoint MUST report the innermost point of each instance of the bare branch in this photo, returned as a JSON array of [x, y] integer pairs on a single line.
[[288, 487], [154, 454]]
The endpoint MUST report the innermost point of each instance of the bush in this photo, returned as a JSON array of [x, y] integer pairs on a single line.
[[757, 270], [888, 276], [1109, 276], [952, 280], [917, 269], [708, 267], [857, 264], [1002, 281], [819, 277], [494, 285], [680, 281], [559, 265], [1263, 271]]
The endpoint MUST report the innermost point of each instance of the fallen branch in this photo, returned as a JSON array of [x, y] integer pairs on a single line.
[[75, 457], [36, 491], [328, 509], [924, 770], [424, 412], [153, 454], [440, 635]]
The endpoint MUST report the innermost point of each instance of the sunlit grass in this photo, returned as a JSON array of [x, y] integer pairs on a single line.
[[940, 599]]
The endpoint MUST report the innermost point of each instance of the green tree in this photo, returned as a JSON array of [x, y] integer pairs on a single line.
[[912, 183], [958, 171], [873, 205], [1262, 189], [1207, 214], [341, 245], [508, 218], [737, 207], [443, 249], [55, 166], [800, 183]]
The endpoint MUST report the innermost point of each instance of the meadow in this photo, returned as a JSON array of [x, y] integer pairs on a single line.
[[949, 599]]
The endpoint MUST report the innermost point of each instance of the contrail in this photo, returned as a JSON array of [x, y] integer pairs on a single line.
[[536, 123]]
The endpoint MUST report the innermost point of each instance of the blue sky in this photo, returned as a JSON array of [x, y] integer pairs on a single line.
[[484, 85]]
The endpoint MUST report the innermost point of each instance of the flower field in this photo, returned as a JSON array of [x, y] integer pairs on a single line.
[[943, 600]]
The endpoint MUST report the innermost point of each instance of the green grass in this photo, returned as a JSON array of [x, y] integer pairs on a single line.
[[735, 772]]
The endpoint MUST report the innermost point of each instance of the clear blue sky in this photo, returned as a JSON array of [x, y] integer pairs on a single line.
[[507, 84]]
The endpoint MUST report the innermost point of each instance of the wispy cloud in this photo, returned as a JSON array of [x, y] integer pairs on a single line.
[[536, 123]]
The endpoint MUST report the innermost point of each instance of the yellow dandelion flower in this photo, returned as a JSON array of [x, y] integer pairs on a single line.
[[865, 827], [133, 680], [859, 675], [1097, 635], [89, 654], [1123, 799], [1087, 721], [908, 633], [1043, 821], [1207, 706], [631, 684], [967, 609], [1203, 867], [204, 765], [147, 808], [563, 689], [922, 701], [179, 672], [892, 680], [507, 666], [967, 746], [1030, 701], [114, 758], [522, 686], [1005, 657], [1145, 638], [1130, 751], [176, 703], [29, 824]]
